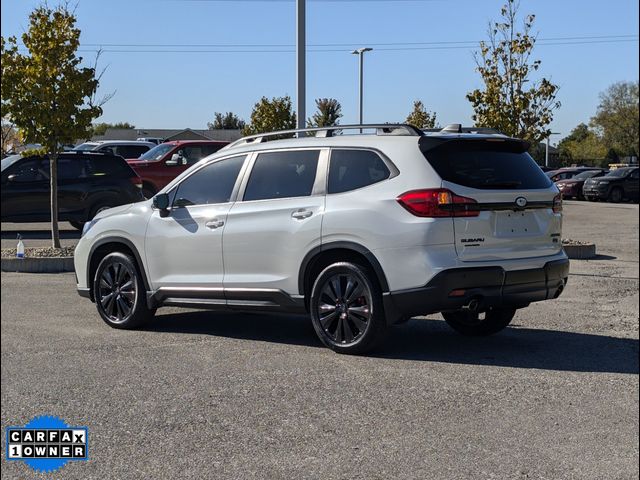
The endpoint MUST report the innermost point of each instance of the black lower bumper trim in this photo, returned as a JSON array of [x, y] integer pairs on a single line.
[[84, 292], [489, 286]]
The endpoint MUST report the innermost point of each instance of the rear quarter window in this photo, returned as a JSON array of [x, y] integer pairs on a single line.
[[109, 166], [484, 164]]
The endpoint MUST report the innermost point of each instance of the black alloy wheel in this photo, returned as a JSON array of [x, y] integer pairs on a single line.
[[346, 309]]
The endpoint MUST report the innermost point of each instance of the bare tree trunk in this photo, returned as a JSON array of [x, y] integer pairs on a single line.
[[53, 175]]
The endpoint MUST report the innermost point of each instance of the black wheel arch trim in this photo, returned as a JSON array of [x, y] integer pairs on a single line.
[[126, 242], [342, 245]]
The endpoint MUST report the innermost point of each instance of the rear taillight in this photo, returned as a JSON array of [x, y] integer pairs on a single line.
[[557, 204], [137, 181], [437, 203]]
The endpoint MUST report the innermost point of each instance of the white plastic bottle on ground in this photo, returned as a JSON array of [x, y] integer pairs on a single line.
[[20, 248]]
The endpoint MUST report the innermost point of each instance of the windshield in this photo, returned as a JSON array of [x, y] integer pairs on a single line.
[[7, 162], [587, 174], [157, 152], [83, 147], [618, 172]]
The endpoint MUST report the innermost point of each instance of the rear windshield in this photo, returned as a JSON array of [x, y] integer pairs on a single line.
[[484, 164]]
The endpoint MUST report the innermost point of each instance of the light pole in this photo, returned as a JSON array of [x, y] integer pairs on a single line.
[[360, 53], [300, 64], [546, 152]]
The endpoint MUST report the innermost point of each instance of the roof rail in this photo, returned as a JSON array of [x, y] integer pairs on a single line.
[[381, 129], [458, 128]]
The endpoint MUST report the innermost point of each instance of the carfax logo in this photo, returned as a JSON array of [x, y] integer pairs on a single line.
[[47, 443]]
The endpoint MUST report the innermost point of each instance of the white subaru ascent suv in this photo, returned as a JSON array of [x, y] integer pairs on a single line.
[[361, 231]]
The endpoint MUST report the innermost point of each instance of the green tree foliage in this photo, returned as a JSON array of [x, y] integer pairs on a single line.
[[226, 121], [328, 114], [511, 101], [271, 115], [101, 128], [420, 117], [617, 120], [580, 145], [46, 93]]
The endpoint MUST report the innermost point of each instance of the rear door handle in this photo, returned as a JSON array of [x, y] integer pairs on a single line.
[[301, 214], [213, 224]]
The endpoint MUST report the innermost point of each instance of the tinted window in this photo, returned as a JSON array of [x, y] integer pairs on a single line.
[[282, 175], [211, 184], [29, 170], [587, 174], [109, 165], [351, 169], [131, 151], [69, 168], [635, 174], [484, 164]]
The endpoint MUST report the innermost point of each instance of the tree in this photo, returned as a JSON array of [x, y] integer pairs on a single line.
[[10, 137], [226, 121], [505, 66], [46, 93], [328, 114], [581, 144], [616, 119], [420, 117], [271, 115], [101, 128]]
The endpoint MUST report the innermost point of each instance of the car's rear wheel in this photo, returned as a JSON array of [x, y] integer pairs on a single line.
[[119, 292], [615, 195], [477, 324], [346, 308]]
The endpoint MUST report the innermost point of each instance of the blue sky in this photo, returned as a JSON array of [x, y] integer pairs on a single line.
[[185, 86]]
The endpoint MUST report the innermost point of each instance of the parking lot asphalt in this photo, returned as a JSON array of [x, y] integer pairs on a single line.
[[204, 395]]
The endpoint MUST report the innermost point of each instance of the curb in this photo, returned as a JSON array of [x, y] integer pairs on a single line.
[[38, 265], [580, 252]]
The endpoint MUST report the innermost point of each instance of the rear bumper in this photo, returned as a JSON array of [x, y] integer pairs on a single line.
[[487, 286]]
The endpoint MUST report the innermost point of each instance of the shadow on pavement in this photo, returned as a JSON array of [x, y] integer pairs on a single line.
[[430, 340], [38, 234]]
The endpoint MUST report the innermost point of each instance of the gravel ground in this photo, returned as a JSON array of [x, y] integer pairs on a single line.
[[202, 395]]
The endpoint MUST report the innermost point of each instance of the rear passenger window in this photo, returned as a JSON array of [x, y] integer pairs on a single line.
[[352, 169], [282, 175], [73, 168], [211, 184]]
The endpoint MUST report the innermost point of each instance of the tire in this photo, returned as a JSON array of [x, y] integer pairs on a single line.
[[119, 292], [100, 208], [346, 308], [77, 225], [476, 324], [148, 192], [615, 195]]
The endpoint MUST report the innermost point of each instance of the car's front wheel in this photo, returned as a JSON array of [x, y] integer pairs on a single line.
[[346, 308], [477, 324], [615, 195], [119, 292]]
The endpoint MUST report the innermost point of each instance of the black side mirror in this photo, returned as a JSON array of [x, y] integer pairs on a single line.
[[161, 202]]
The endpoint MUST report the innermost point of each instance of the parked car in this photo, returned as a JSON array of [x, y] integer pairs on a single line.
[[566, 173], [572, 187], [88, 183], [166, 161], [617, 185], [123, 148], [359, 231], [155, 140]]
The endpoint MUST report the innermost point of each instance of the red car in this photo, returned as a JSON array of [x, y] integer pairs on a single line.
[[572, 187], [166, 161]]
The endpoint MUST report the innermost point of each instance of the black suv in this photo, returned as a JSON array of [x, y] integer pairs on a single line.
[[617, 185], [87, 184]]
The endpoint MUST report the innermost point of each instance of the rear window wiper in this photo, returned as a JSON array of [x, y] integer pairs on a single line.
[[511, 184]]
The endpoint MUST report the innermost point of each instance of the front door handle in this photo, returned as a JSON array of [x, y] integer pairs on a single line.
[[213, 224], [301, 214]]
